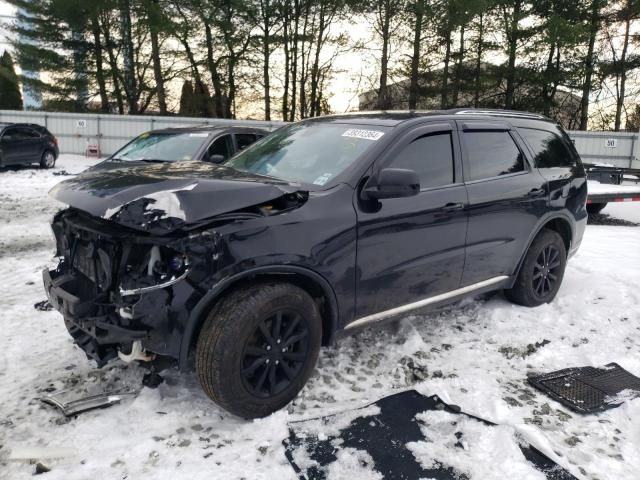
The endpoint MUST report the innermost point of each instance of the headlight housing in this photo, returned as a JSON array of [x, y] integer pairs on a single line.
[[152, 267]]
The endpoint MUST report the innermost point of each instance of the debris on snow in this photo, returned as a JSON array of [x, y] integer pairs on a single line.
[[43, 306], [41, 468], [80, 405]]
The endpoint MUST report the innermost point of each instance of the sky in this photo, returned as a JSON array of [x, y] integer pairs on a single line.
[[5, 9]]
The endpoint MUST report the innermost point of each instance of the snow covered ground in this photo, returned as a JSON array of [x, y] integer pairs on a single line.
[[475, 354], [629, 211]]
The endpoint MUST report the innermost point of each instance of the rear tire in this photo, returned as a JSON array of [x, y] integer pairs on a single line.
[[542, 271], [48, 159], [258, 347], [595, 208]]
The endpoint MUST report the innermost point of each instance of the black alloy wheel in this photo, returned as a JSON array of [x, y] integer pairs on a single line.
[[545, 271], [275, 354], [258, 347], [541, 272]]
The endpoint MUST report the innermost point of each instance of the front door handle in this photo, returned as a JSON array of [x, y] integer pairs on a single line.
[[536, 192], [452, 207]]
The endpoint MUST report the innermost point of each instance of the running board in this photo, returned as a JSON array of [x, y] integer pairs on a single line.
[[376, 317]]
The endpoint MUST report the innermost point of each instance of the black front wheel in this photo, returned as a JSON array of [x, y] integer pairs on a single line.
[[258, 348], [541, 272]]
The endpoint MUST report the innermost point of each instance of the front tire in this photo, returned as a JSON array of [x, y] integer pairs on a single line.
[[542, 271], [48, 159], [258, 347]]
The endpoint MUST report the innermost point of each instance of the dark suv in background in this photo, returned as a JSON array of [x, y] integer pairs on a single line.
[[27, 143], [325, 226]]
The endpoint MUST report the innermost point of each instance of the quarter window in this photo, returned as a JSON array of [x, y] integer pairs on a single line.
[[491, 154], [431, 157], [244, 140], [221, 146], [548, 148]]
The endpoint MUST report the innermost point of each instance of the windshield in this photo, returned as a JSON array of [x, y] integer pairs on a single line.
[[308, 152], [163, 146]]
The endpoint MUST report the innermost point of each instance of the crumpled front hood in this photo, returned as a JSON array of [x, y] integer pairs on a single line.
[[169, 195]]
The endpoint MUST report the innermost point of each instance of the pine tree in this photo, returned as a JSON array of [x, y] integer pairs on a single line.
[[10, 96], [633, 120], [51, 39]]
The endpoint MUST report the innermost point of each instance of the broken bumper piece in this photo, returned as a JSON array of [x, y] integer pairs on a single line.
[[79, 405], [89, 321]]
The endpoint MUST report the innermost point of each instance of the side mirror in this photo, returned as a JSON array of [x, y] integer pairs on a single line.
[[393, 183]]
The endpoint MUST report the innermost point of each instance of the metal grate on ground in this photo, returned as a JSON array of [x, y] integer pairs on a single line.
[[587, 389]]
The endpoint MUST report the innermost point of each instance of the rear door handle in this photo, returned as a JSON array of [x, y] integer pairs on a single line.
[[451, 207], [537, 192]]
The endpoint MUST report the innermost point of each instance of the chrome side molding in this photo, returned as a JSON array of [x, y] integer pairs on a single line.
[[424, 302]]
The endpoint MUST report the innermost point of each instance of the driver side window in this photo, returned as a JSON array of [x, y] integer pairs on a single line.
[[221, 146], [431, 157]]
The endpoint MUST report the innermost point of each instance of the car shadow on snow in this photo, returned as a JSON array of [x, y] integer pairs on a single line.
[[608, 220], [20, 168]]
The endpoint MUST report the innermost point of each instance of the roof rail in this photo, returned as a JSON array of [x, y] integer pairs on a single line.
[[502, 113]]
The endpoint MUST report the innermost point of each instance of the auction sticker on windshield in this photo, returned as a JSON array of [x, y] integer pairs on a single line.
[[362, 133]]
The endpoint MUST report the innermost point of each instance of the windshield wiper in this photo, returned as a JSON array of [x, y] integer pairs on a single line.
[[270, 177], [152, 160], [149, 160]]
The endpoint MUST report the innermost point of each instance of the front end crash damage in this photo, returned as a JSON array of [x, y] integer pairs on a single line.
[[127, 292], [118, 289]]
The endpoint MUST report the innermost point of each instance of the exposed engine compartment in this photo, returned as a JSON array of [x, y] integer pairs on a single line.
[[103, 271]]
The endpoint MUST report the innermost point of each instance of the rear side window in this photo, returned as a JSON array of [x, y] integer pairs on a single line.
[[491, 154], [221, 146], [548, 148], [431, 157], [25, 133], [244, 140]]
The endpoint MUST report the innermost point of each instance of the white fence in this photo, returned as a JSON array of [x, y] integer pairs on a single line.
[[75, 130], [110, 132], [620, 149]]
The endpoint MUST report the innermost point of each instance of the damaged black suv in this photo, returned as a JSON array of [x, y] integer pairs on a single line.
[[244, 270]]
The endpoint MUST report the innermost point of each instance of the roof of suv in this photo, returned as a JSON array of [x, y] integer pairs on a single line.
[[395, 117], [4, 125], [208, 128]]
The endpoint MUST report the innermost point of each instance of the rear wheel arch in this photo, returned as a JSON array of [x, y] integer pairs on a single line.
[[542, 271], [562, 227], [558, 224], [313, 283]]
